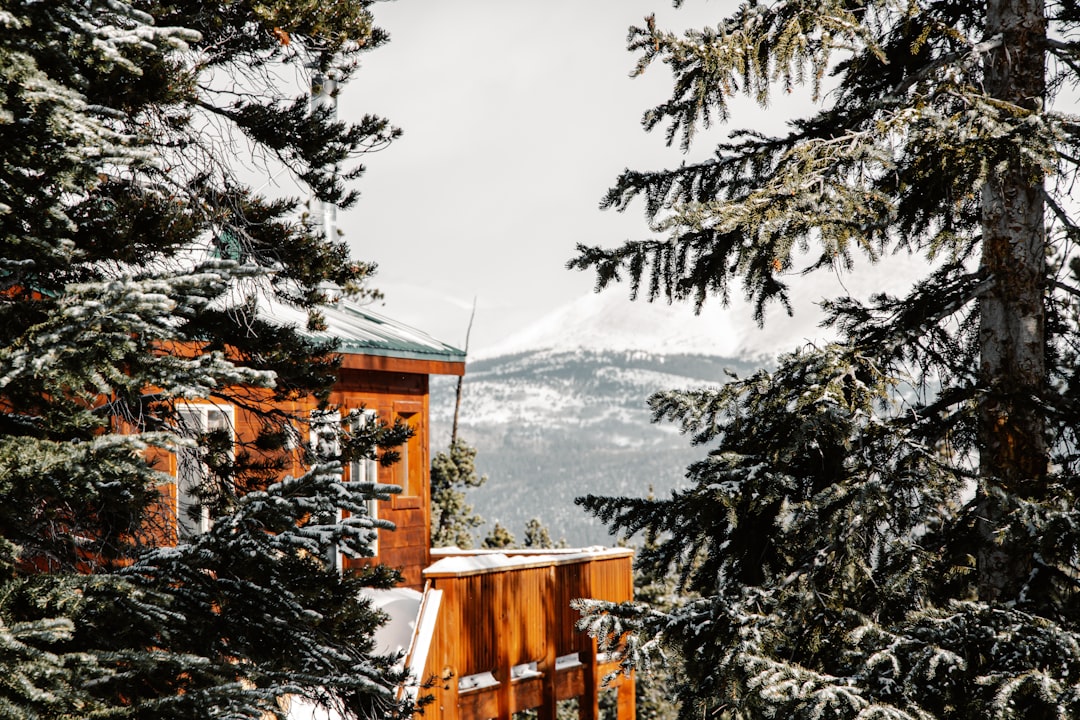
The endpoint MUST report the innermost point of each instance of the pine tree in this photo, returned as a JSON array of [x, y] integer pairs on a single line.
[[884, 526], [453, 519], [654, 689], [134, 262], [537, 535], [499, 538], [452, 473]]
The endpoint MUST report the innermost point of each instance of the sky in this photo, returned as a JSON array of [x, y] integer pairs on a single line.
[[517, 117]]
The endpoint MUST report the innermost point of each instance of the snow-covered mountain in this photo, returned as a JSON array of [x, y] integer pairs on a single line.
[[559, 410], [609, 322]]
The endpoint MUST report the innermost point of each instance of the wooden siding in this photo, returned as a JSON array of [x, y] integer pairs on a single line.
[[508, 624], [402, 365], [492, 620], [392, 395]]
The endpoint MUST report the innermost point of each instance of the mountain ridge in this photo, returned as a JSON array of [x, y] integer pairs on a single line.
[[608, 322], [558, 409], [550, 426]]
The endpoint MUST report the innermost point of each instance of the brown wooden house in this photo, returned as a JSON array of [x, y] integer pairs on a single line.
[[488, 634]]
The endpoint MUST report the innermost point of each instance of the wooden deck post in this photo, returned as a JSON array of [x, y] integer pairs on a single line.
[[507, 632], [627, 702], [589, 702], [448, 698], [548, 694]]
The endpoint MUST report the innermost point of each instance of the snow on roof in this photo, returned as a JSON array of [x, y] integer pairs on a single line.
[[355, 328], [465, 563], [358, 330], [455, 561]]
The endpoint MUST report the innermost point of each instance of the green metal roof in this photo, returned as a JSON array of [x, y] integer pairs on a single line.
[[360, 331]]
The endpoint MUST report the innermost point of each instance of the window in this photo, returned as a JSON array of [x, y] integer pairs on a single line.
[[409, 470], [192, 517], [365, 470], [325, 443], [324, 439]]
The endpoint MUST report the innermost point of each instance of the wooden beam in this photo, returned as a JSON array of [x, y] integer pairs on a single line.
[[570, 683], [549, 696], [449, 695], [476, 705], [626, 702], [354, 361], [507, 640], [589, 702]]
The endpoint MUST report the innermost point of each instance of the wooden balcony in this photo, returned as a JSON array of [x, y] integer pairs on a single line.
[[505, 639]]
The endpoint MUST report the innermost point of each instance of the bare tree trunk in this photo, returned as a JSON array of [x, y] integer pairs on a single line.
[[461, 378], [1012, 313]]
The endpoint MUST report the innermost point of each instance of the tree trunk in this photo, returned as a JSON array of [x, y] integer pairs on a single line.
[[1012, 313], [461, 378]]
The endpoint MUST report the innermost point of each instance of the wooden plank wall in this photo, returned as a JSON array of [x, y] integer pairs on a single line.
[[494, 620], [392, 395]]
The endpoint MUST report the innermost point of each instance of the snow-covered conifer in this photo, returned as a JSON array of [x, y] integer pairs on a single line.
[[884, 526], [134, 261], [452, 518]]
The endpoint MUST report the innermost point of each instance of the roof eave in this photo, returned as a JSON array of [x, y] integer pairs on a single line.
[[402, 362]]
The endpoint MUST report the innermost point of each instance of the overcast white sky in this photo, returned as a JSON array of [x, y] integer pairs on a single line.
[[518, 115]]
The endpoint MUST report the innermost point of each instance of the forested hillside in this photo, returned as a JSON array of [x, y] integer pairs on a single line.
[[552, 425]]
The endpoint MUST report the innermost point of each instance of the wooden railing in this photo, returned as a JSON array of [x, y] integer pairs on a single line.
[[505, 638]]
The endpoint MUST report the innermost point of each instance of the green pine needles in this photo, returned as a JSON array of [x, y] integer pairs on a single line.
[[884, 526], [126, 132], [452, 473]]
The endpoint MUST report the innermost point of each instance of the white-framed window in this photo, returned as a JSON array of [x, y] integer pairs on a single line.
[[365, 470], [194, 419], [411, 454], [324, 434], [324, 439]]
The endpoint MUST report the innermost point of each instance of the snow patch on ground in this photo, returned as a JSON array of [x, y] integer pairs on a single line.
[[402, 607], [638, 378]]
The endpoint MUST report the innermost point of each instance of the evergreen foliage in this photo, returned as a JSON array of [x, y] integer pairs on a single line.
[[884, 526], [134, 263], [654, 694], [453, 519], [654, 691], [499, 538], [537, 535]]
